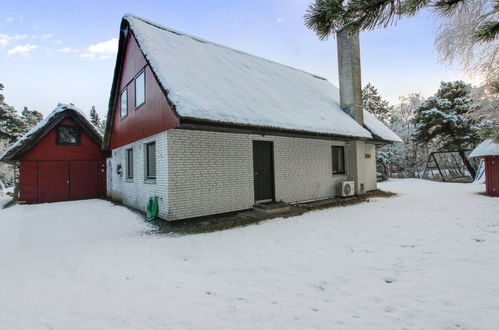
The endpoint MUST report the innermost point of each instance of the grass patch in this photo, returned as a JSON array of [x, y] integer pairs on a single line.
[[208, 224]]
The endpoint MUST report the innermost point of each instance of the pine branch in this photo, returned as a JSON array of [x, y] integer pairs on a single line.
[[325, 17], [446, 7], [487, 31]]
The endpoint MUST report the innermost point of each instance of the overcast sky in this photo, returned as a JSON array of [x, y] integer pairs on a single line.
[[64, 51]]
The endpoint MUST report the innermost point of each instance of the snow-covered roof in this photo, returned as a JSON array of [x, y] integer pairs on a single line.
[[212, 82], [379, 129], [486, 148], [39, 129]]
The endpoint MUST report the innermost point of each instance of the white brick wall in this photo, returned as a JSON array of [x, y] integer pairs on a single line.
[[212, 172], [137, 191], [202, 173]]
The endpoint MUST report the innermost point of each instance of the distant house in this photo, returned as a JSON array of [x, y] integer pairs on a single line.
[[60, 159], [489, 151], [209, 129]]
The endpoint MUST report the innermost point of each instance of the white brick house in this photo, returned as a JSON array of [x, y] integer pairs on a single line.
[[208, 129]]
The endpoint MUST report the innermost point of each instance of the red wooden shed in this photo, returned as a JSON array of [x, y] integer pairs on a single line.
[[60, 159], [489, 151]]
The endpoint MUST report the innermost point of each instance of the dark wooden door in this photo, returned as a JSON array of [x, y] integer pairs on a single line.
[[263, 170]]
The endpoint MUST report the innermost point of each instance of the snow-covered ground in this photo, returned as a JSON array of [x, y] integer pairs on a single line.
[[426, 259], [4, 197]]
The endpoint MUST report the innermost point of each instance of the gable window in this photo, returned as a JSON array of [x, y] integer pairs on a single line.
[[68, 135], [140, 89], [151, 160], [338, 156], [129, 163], [123, 104]]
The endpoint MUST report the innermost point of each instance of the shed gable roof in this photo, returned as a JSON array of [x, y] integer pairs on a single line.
[[486, 148], [34, 135]]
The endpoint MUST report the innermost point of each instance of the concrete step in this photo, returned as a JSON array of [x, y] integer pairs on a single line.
[[272, 207]]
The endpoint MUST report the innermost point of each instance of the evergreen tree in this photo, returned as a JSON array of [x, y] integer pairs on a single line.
[[102, 126], [442, 120], [374, 103], [94, 117], [10, 122], [325, 17], [31, 117]]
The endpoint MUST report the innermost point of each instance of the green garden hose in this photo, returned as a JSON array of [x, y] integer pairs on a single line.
[[152, 208]]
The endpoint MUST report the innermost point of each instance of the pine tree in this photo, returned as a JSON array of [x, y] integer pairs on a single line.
[[374, 103], [94, 117], [10, 122], [325, 17], [31, 117], [442, 120], [102, 126]]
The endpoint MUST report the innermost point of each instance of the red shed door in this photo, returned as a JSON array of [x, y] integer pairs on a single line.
[[83, 179], [53, 181]]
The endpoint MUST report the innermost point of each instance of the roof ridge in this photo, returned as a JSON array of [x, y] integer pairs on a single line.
[[198, 39]]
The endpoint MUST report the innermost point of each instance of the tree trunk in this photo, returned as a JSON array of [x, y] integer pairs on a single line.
[[467, 163]]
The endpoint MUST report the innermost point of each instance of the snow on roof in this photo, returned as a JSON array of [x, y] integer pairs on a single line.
[[212, 82], [379, 129], [486, 148], [38, 128]]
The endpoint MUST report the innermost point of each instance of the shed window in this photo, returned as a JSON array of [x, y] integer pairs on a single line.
[[151, 160], [123, 104], [140, 89], [68, 135], [338, 156], [129, 163]]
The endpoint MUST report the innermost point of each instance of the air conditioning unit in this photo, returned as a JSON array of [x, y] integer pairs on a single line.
[[346, 188]]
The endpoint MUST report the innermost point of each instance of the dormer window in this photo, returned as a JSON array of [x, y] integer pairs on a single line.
[[68, 135]]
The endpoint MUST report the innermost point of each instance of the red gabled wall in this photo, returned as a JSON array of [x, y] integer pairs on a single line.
[[51, 172], [492, 175], [48, 149], [153, 117]]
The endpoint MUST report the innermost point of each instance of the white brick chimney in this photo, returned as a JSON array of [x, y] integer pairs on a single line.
[[351, 102]]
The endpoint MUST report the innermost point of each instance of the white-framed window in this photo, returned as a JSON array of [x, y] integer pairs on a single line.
[[123, 103], [151, 160], [129, 163], [338, 157], [140, 89]]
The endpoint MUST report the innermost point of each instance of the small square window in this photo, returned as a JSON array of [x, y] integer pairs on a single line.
[[140, 89], [68, 135], [151, 160], [129, 163], [338, 157], [124, 103]]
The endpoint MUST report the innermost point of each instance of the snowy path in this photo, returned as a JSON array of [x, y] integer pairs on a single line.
[[427, 259]]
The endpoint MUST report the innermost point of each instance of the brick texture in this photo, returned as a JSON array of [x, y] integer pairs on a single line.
[[202, 173], [212, 172], [137, 191]]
